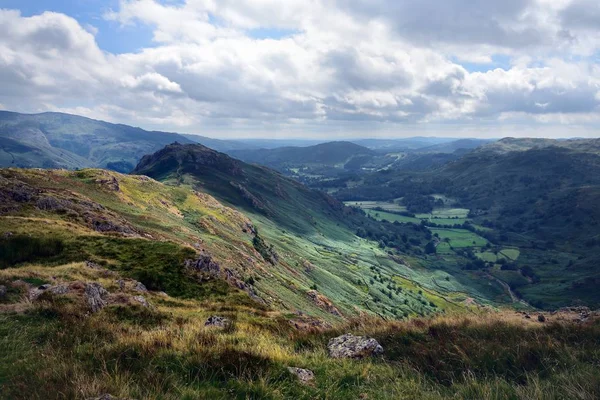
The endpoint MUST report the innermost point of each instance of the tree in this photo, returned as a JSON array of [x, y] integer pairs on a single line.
[[430, 248]]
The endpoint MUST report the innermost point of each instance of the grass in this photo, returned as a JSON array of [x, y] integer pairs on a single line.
[[382, 215], [460, 238], [167, 353]]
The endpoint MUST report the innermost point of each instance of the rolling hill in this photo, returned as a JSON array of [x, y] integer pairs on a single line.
[[55, 140]]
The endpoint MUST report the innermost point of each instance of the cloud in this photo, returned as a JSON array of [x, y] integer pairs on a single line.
[[393, 66]]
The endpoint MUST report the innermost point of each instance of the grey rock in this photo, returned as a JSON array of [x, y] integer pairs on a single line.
[[205, 264], [305, 376], [93, 265], [216, 321], [59, 289], [121, 284], [3, 291], [95, 295], [140, 287], [52, 204], [350, 346], [37, 292], [7, 234], [142, 300]]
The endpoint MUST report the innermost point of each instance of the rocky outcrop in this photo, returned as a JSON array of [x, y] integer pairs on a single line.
[[131, 285], [350, 346], [217, 322], [95, 295], [50, 203], [323, 302], [305, 376], [111, 183], [142, 300], [308, 324], [47, 288], [204, 264]]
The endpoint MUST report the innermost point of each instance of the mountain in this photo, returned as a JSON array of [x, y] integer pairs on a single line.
[[405, 144], [311, 226], [332, 154], [55, 140]]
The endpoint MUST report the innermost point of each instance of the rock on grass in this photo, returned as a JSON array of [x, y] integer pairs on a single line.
[[350, 346]]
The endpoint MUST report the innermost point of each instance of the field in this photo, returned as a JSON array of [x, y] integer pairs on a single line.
[[382, 215], [460, 237], [368, 205]]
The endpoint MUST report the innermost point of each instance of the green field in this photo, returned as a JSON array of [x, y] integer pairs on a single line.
[[382, 215], [508, 254], [369, 205], [460, 237]]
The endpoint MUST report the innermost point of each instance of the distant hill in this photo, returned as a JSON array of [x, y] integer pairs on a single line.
[[508, 145], [329, 154], [404, 144], [55, 140], [451, 147]]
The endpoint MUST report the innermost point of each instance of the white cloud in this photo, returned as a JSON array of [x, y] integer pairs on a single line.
[[339, 65]]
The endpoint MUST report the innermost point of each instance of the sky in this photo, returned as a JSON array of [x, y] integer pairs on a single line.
[[309, 68]]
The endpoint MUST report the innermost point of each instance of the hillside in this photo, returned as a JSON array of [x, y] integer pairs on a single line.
[[55, 140], [191, 289], [309, 226], [541, 198], [326, 159], [121, 287], [456, 145]]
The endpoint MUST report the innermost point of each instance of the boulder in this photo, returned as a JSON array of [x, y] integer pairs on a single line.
[[95, 295], [3, 291], [140, 287], [350, 346], [93, 265], [142, 300], [541, 318], [306, 376], [218, 322]]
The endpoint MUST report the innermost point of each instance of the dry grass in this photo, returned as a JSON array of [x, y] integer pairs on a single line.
[[168, 353]]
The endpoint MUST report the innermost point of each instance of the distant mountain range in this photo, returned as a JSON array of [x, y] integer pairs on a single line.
[[57, 140]]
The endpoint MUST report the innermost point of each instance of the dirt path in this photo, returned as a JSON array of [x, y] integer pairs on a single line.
[[506, 287]]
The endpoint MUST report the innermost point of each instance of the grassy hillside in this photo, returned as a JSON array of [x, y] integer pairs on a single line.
[[54, 140], [286, 289], [315, 235]]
